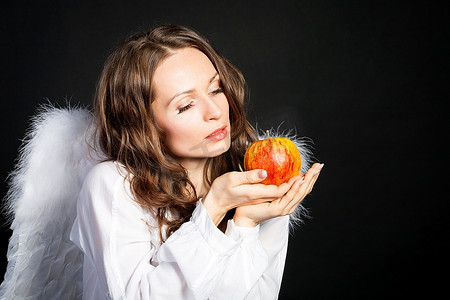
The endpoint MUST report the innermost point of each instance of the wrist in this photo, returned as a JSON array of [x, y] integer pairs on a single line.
[[244, 222], [215, 211]]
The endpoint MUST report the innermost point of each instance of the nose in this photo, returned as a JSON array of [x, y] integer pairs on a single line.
[[212, 110]]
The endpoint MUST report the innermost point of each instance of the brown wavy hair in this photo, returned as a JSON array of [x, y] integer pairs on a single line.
[[127, 132]]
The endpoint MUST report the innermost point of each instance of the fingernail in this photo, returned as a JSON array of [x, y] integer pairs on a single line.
[[262, 174], [318, 169]]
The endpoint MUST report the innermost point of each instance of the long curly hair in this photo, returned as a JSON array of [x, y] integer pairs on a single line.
[[127, 132]]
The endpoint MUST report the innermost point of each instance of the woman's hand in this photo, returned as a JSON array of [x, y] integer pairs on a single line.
[[300, 187], [234, 189]]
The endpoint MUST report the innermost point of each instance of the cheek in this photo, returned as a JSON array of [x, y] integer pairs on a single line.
[[180, 137], [173, 135]]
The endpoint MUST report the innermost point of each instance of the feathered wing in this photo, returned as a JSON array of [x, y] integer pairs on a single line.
[[55, 157], [304, 146]]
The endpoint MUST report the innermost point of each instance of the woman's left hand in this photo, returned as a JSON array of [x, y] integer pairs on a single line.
[[252, 215]]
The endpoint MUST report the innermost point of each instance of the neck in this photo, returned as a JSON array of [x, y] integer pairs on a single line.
[[196, 173]]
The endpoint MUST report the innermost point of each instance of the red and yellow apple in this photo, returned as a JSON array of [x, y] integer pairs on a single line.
[[279, 156]]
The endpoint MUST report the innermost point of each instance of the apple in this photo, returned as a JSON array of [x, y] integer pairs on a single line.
[[279, 156]]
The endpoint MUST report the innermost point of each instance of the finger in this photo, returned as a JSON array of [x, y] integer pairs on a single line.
[[306, 186], [291, 197], [296, 198], [311, 184], [293, 191], [313, 179], [315, 175], [287, 186], [252, 176], [283, 206], [314, 170], [293, 179], [248, 183], [262, 192]]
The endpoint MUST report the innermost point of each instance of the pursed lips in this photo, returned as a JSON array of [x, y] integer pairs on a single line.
[[218, 133]]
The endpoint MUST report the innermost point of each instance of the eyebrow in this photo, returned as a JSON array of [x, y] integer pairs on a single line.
[[191, 90]]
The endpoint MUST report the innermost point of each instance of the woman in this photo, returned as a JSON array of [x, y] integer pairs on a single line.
[[168, 215]]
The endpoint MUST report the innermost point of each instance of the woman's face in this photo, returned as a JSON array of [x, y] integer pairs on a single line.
[[191, 107]]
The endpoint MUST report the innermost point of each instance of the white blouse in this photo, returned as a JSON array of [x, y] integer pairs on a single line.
[[123, 257]]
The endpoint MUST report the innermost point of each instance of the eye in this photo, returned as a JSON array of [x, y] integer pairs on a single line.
[[186, 107], [217, 91]]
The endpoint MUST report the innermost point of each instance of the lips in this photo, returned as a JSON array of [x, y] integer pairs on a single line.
[[218, 134]]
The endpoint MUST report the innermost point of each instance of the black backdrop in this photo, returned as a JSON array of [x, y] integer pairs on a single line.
[[363, 79]]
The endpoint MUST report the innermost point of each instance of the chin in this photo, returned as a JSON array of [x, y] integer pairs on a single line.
[[220, 148]]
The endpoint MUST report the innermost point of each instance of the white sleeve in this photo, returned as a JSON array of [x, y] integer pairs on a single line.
[[256, 269], [274, 236], [113, 232]]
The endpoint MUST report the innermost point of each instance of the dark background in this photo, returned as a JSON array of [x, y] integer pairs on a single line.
[[363, 79]]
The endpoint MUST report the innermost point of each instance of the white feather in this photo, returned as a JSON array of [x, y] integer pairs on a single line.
[[41, 203]]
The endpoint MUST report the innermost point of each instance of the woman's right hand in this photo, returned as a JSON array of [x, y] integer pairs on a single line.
[[234, 189]]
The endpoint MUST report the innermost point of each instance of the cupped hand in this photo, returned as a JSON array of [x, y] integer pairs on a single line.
[[234, 189], [300, 187]]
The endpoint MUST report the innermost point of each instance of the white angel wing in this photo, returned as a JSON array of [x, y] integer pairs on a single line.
[[42, 262]]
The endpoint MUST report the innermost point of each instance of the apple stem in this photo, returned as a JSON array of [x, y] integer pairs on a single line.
[[268, 134]]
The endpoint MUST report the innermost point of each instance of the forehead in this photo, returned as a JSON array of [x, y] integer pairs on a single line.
[[183, 70]]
